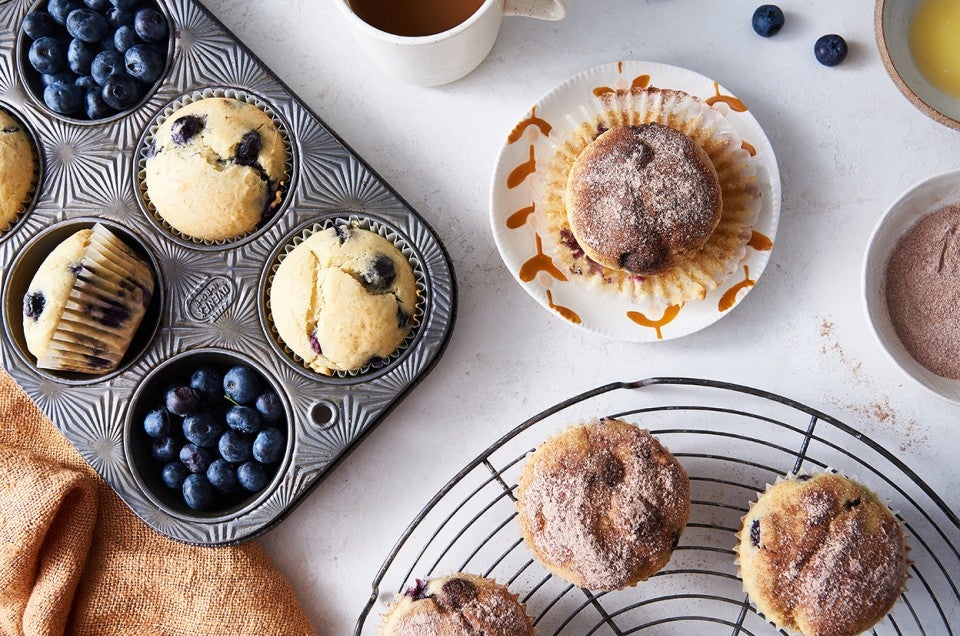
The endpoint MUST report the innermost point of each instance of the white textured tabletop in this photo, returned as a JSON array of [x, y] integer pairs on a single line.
[[848, 144]]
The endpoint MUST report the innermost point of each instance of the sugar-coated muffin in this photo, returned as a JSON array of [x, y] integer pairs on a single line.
[[603, 504], [457, 605], [821, 555], [17, 167], [216, 169], [639, 198], [85, 302], [342, 298]]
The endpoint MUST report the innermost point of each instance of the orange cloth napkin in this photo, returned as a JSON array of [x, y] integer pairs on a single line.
[[74, 559]]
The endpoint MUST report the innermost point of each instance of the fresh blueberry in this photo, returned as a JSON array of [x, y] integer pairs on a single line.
[[106, 64], [107, 44], [124, 4], [252, 476], [38, 24], [222, 476], [248, 150], [47, 55], [93, 104], [241, 384], [157, 423], [173, 474], [185, 128], [33, 305], [119, 17], [60, 9], [380, 274], [80, 55], [830, 49], [151, 26], [181, 400], [197, 492], [143, 63], [63, 76], [208, 384], [195, 458], [98, 5], [87, 25], [268, 445], [243, 419], [235, 447], [767, 20], [203, 429], [164, 449], [63, 98], [121, 91], [269, 407], [85, 82], [124, 37]]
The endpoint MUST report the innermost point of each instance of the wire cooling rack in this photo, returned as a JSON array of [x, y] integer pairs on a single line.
[[732, 440]]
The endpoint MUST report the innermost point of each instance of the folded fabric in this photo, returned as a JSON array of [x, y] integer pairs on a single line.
[[74, 559]]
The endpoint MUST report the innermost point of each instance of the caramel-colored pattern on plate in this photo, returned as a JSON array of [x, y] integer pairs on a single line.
[[669, 314]]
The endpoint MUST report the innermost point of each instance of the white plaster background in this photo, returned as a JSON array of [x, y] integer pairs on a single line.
[[848, 144]]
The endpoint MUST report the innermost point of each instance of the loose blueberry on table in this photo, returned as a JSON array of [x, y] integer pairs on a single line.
[[208, 436], [100, 56], [830, 49], [768, 20]]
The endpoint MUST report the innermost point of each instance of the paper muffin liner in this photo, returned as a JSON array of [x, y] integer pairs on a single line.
[[397, 241], [106, 305], [793, 476], [283, 187], [30, 198], [699, 272]]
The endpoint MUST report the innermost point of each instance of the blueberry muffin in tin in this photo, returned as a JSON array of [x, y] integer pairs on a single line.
[[603, 504], [216, 168], [18, 170], [342, 298], [822, 555], [85, 302], [457, 605]]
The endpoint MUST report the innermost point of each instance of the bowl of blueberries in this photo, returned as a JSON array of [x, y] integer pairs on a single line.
[[96, 59], [207, 434]]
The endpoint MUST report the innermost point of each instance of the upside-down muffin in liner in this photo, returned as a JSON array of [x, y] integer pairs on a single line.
[[650, 194]]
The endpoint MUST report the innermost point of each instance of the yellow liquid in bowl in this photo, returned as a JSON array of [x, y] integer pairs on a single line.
[[935, 43]]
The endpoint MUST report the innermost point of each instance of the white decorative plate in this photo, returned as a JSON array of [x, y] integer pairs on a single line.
[[527, 251]]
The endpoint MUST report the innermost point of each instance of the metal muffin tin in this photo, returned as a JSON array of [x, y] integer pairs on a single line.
[[211, 304]]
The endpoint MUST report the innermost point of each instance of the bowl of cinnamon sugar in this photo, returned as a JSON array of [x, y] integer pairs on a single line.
[[911, 283]]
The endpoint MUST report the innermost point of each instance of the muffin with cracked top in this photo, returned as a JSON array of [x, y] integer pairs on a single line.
[[603, 504], [216, 169], [17, 167], [343, 297], [822, 555], [455, 605]]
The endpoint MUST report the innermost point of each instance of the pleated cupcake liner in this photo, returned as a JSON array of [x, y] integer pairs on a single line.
[[701, 271]]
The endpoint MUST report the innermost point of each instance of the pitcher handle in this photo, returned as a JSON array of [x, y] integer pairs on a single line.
[[540, 9]]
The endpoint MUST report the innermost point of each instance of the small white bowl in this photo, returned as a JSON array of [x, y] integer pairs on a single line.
[[925, 197], [892, 19]]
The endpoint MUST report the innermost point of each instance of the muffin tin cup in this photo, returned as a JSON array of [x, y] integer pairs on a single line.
[[20, 276], [30, 200], [209, 300], [140, 162], [30, 78], [298, 236], [146, 471]]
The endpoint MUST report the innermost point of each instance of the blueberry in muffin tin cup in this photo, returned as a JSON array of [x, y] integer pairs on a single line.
[[375, 367], [30, 201], [25, 265], [31, 78], [146, 142], [146, 471]]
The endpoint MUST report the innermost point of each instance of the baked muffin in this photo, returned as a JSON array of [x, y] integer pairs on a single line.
[[821, 555], [17, 167], [639, 198], [603, 504], [216, 169], [457, 605], [343, 297], [85, 302]]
